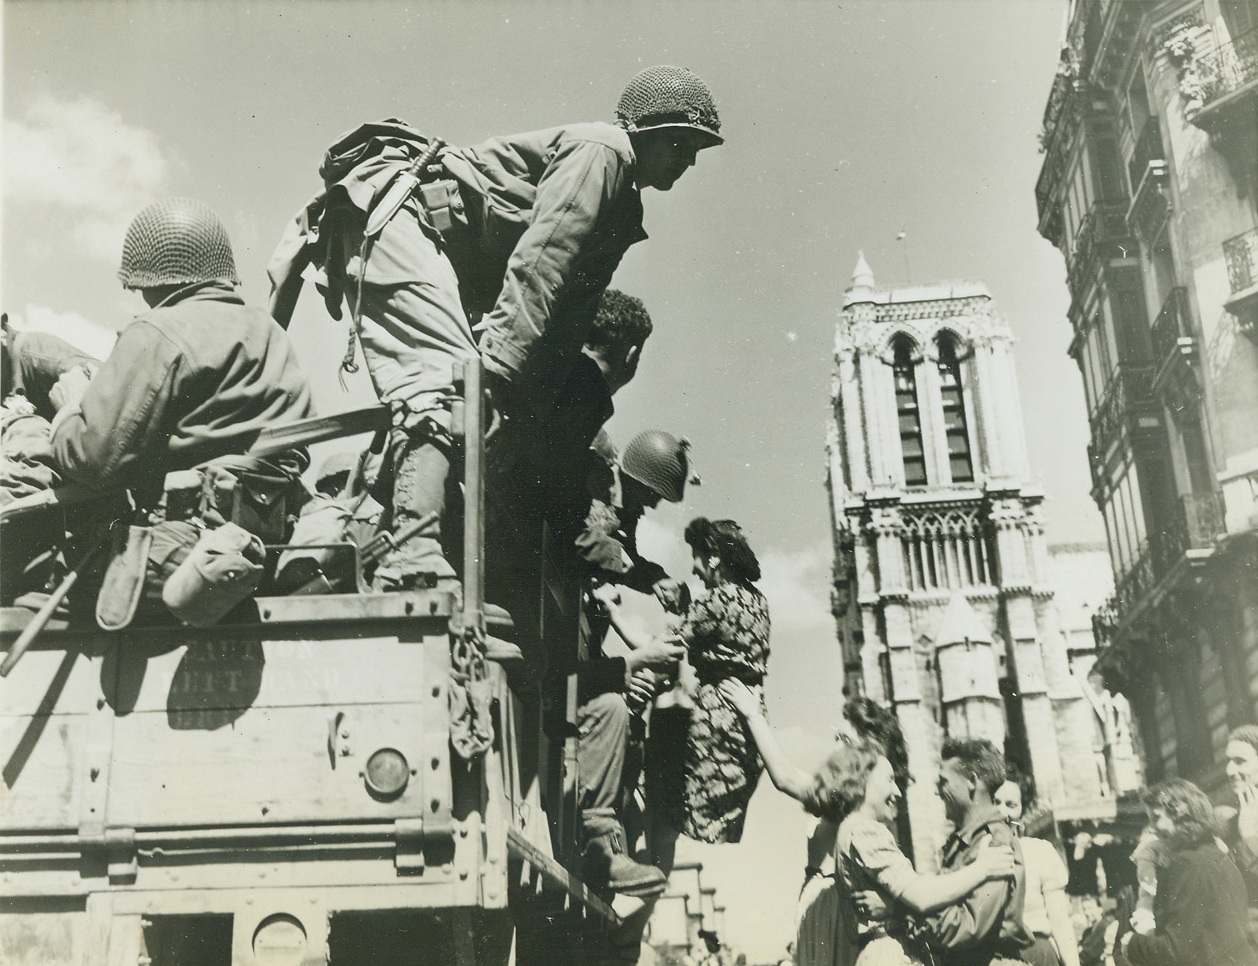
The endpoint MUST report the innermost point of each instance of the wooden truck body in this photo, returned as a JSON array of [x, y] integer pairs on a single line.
[[282, 788]]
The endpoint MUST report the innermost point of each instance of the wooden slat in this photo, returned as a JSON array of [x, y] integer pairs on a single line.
[[521, 848], [42, 761], [237, 672], [267, 764]]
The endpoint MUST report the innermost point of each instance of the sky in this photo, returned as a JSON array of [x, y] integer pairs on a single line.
[[847, 123]]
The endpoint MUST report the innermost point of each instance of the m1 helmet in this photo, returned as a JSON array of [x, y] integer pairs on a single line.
[[176, 241], [658, 460], [669, 97]]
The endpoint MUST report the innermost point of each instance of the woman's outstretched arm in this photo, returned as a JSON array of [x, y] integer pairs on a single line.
[[786, 776]]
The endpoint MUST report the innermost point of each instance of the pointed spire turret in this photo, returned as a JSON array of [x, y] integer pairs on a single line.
[[862, 287]]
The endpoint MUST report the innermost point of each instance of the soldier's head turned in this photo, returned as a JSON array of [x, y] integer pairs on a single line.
[[617, 334], [671, 116], [174, 243]]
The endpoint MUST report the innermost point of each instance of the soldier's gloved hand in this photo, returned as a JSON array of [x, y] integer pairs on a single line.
[[673, 595], [660, 653]]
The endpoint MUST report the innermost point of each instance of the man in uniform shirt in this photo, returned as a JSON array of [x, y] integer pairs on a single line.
[[986, 926]]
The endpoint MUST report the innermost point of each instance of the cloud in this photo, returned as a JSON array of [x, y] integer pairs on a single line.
[[797, 583], [79, 162], [91, 337]]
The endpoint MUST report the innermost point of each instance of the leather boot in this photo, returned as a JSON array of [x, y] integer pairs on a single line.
[[604, 859]]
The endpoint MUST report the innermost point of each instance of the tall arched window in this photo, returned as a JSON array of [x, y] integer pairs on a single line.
[[909, 414], [955, 426]]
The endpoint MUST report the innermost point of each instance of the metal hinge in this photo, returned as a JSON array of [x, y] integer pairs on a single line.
[[112, 847], [411, 835]]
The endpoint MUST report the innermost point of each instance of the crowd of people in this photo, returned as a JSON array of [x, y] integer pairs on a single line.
[[502, 253], [1001, 896]]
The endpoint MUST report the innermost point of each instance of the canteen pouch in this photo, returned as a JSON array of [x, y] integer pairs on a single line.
[[222, 570], [123, 584]]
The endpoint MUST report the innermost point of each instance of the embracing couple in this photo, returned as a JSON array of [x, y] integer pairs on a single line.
[[889, 914]]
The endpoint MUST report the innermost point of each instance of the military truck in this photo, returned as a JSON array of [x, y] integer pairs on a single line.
[[282, 788]]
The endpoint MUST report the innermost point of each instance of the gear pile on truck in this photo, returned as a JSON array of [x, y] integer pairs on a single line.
[[245, 720]]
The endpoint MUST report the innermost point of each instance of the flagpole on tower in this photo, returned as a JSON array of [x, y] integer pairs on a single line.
[[904, 237]]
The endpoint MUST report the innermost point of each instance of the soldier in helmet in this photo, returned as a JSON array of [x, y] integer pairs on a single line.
[[190, 383], [196, 377], [653, 467], [519, 234]]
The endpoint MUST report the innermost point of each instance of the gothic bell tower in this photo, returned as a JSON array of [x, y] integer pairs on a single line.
[[941, 571]]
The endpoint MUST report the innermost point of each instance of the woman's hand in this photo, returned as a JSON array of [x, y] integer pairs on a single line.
[[607, 594], [1247, 817], [995, 861], [673, 595], [740, 696]]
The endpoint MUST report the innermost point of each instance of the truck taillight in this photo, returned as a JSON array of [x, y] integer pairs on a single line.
[[387, 772]]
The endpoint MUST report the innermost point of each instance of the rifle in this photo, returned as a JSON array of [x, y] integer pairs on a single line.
[[44, 614]]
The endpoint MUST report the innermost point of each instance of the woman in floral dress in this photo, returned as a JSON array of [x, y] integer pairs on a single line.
[[726, 634]]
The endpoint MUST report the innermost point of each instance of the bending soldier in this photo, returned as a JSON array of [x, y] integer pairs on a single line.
[[524, 230]]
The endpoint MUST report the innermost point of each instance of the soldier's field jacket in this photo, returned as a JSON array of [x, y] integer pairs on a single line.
[[192, 380], [540, 222]]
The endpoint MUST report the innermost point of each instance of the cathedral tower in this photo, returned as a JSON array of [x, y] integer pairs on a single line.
[[942, 595]]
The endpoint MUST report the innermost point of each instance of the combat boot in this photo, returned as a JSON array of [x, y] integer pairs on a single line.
[[605, 860]]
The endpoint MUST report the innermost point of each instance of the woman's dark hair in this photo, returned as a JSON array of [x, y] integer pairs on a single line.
[[725, 539], [838, 786], [1245, 733], [873, 722], [1188, 808], [1025, 783]]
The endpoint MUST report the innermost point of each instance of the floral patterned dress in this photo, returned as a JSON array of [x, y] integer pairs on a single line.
[[727, 635]]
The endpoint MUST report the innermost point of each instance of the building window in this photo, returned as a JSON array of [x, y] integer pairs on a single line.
[[956, 428], [1240, 16], [909, 414], [1137, 107], [1125, 519]]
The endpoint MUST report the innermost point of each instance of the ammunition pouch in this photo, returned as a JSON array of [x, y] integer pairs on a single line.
[[255, 499], [443, 205]]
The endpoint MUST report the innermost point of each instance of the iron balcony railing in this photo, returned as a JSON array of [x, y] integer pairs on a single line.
[[1147, 151], [1129, 387], [1102, 235], [1171, 325], [1136, 580], [1241, 255], [1191, 525], [1229, 67]]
